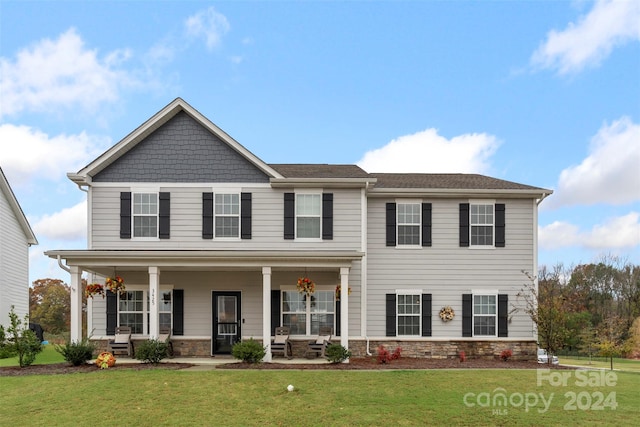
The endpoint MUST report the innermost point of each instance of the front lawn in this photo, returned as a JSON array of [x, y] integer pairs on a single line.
[[219, 397], [602, 363], [48, 355]]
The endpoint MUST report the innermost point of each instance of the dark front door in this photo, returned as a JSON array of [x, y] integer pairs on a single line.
[[227, 321]]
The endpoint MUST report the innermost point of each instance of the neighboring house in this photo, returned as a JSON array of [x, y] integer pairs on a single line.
[[210, 240], [15, 238]]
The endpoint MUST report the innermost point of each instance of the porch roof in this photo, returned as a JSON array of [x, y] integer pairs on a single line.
[[103, 261]]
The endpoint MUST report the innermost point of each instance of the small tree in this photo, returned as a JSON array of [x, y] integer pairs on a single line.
[[544, 304], [27, 345], [610, 342]]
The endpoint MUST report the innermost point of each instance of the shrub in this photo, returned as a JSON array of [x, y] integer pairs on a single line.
[[151, 351], [24, 341], [250, 351], [463, 356], [7, 349], [337, 353], [76, 353], [385, 357], [506, 354]]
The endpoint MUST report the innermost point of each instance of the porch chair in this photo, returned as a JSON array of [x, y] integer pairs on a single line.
[[122, 342], [281, 343], [320, 344], [165, 336]]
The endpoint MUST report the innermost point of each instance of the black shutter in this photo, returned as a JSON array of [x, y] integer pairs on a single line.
[[178, 312], [391, 315], [467, 315], [337, 331], [503, 315], [289, 216], [426, 224], [500, 225], [245, 215], [164, 215], [327, 216], [125, 215], [275, 311], [112, 313], [391, 224], [207, 215], [464, 224], [426, 315]]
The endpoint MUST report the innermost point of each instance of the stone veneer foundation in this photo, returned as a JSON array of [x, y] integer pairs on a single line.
[[522, 350]]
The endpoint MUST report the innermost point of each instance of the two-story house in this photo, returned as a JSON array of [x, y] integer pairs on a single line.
[[16, 237], [211, 241]]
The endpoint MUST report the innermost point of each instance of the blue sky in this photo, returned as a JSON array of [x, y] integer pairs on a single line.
[[541, 93]]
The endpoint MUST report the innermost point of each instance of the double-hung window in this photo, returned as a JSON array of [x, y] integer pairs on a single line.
[[133, 310], [485, 314], [408, 314], [308, 216], [145, 215], [227, 215], [305, 314], [482, 224], [408, 224]]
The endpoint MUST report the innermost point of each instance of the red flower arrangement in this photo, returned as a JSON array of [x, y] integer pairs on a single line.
[[339, 289], [115, 285], [94, 289], [306, 285]]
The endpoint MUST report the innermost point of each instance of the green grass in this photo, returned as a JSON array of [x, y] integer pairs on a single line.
[[326, 398], [602, 362], [48, 355]]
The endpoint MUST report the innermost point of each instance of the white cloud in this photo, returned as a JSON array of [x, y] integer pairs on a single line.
[[609, 174], [61, 73], [615, 233], [208, 24], [26, 153], [610, 23], [68, 224], [428, 152]]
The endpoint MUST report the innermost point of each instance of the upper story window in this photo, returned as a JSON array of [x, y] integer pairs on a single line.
[[145, 215], [409, 224], [483, 224], [481, 221], [227, 215], [308, 216]]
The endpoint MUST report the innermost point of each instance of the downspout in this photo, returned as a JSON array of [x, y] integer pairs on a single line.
[[62, 266], [364, 264]]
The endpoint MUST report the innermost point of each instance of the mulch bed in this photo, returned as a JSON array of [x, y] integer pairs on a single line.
[[354, 364], [65, 368]]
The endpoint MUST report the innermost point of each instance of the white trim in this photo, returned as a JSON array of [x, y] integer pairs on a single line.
[[204, 185], [363, 263]]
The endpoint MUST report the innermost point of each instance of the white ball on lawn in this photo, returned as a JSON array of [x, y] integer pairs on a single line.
[[290, 387]]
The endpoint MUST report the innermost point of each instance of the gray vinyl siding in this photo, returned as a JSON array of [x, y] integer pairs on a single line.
[[446, 270], [14, 264], [186, 221]]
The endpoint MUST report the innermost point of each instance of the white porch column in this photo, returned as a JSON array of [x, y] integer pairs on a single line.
[[76, 304], [154, 292], [266, 313], [344, 307]]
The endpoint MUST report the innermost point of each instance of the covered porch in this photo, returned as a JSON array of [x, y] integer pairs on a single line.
[[198, 287]]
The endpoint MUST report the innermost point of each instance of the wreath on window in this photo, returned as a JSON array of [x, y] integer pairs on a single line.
[[447, 313]]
